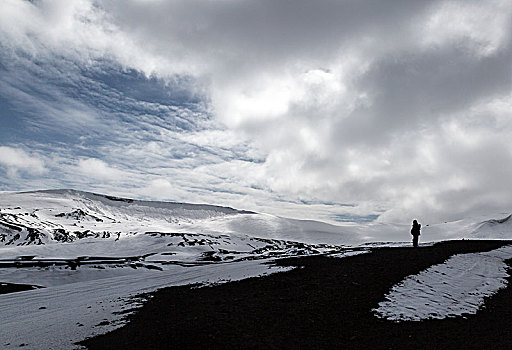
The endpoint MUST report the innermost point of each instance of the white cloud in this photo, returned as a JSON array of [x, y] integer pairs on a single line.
[[163, 189], [99, 170], [475, 25], [16, 159]]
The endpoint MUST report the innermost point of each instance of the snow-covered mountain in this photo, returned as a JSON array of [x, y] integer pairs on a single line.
[[69, 224], [42, 227]]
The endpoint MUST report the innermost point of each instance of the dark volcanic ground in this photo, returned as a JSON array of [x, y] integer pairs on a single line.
[[324, 304]]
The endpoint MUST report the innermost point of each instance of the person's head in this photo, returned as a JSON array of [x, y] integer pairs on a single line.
[[415, 222]]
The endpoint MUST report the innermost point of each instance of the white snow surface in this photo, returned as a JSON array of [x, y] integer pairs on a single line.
[[451, 289]]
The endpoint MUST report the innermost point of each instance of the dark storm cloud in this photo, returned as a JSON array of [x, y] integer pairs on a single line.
[[416, 90]]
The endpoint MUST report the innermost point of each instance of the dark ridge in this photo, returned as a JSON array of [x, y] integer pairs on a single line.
[[325, 304], [31, 261], [189, 206], [78, 214], [246, 212], [11, 226], [118, 199], [497, 221], [13, 287]]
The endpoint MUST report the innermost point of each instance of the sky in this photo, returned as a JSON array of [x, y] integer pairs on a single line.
[[339, 111]]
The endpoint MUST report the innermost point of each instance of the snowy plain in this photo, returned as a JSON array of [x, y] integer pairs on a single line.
[[94, 253]]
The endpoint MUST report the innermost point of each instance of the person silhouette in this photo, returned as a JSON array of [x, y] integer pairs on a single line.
[[415, 232]]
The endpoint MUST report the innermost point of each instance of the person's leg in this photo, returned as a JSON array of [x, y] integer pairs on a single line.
[[415, 241]]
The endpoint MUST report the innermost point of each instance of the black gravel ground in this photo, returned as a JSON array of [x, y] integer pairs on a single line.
[[324, 304]]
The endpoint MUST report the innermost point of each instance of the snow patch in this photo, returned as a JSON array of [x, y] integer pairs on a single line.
[[454, 288]]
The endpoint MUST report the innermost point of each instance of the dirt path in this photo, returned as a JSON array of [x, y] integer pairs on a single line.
[[325, 304]]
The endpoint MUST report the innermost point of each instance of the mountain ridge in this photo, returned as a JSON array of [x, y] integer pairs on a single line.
[[59, 226]]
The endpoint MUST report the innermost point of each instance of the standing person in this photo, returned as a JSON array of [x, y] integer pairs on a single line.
[[415, 232]]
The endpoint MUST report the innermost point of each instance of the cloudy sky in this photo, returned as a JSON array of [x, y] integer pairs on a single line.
[[366, 111]]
